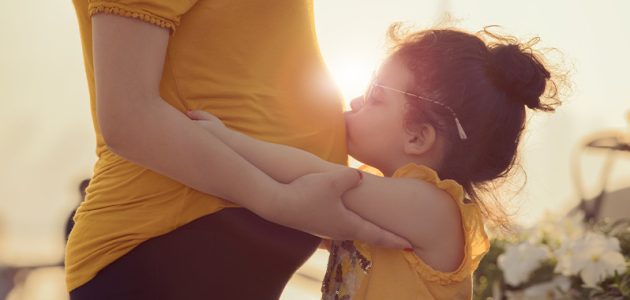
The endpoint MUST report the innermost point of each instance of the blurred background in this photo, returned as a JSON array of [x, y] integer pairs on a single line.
[[47, 143]]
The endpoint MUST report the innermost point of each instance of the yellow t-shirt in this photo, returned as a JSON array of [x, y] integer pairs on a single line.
[[254, 64], [359, 271]]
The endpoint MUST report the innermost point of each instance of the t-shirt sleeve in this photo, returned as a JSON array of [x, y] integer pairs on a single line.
[[163, 13], [477, 243]]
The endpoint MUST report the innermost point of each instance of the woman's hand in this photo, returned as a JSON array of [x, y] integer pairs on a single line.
[[310, 203], [313, 204]]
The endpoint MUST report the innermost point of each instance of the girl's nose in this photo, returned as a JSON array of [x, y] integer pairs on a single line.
[[356, 103]]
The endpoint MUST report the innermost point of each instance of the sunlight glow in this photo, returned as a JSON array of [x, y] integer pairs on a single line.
[[351, 77]]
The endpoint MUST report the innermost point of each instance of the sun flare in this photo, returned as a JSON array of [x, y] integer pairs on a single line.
[[351, 78]]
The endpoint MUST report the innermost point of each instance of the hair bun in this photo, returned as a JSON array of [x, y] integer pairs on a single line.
[[519, 73]]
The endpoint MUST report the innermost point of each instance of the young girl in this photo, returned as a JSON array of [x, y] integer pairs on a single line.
[[442, 118]]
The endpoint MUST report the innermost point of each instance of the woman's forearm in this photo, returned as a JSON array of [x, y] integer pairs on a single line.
[[404, 196], [155, 135], [128, 60]]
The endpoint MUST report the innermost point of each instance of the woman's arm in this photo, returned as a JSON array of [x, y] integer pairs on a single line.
[[138, 125], [413, 209]]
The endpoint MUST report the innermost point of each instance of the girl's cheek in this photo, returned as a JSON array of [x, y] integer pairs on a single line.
[[352, 119]]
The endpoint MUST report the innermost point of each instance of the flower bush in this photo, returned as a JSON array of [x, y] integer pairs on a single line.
[[559, 258]]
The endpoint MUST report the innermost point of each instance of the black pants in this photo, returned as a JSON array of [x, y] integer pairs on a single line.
[[231, 254]]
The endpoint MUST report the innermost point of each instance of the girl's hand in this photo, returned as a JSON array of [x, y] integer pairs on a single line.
[[311, 203], [206, 120]]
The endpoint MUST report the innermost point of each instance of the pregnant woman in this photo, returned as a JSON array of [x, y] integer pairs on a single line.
[[172, 214]]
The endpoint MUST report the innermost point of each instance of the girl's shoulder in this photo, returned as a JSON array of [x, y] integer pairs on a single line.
[[424, 173], [468, 223]]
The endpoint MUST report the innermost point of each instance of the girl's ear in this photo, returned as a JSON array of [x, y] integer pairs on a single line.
[[420, 139]]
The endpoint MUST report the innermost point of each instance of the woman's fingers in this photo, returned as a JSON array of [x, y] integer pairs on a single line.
[[356, 227], [345, 179], [320, 210], [369, 233]]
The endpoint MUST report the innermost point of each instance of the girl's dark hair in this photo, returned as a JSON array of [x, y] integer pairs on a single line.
[[488, 80]]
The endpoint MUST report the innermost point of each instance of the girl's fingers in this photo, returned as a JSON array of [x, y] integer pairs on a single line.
[[198, 115]]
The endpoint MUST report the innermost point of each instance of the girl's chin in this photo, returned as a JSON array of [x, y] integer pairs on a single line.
[[358, 159], [350, 149]]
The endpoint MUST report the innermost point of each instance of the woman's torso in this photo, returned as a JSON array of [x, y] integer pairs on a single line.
[[254, 64]]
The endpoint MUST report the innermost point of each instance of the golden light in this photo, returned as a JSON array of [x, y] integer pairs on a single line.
[[351, 77]]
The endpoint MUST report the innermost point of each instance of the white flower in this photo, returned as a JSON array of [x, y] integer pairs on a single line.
[[545, 290], [565, 255], [598, 257], [555, 229], [520, 260]]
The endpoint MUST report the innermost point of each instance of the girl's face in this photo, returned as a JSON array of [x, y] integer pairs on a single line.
[[374, 126]]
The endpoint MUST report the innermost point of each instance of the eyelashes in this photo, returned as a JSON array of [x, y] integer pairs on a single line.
[[374, 98], [374, 95]]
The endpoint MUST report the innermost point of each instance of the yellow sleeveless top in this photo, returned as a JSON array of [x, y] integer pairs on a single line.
[[359, 271], [254, 64]]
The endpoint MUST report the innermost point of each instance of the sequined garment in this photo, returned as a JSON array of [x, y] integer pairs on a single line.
[[348, 264]]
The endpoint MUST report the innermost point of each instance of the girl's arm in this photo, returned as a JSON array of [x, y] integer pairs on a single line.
[[413, 209], [138, 125], [283, 163]]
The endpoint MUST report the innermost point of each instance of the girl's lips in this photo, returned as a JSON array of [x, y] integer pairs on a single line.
[[347, 127]]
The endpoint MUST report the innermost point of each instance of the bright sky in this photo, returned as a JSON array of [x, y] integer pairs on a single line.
[[46, 131]]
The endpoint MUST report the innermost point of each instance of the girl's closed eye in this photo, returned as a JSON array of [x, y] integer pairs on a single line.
[[371, 100], [375, 96], [374, 99]]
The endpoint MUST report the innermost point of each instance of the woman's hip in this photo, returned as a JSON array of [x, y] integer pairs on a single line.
[[230, 254]]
